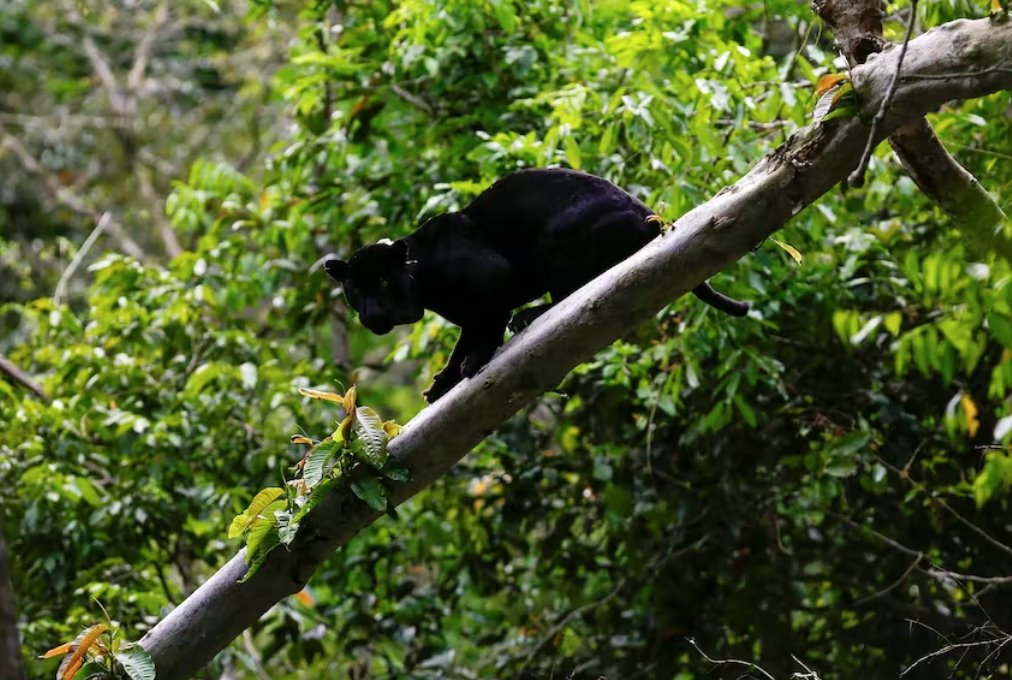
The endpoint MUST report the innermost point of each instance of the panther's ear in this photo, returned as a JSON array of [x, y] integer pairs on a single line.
[[336, 269]]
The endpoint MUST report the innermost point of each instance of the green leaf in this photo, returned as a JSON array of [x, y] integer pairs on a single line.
[[994, 478], [573, 156], [841, 456], [849, 444], [746, 411], [256, 559], [262, 526], [313, 471], [371, 437], [396, 470], [505, 16], [892, 322], [243, 520], [372, 492], [136, 662]]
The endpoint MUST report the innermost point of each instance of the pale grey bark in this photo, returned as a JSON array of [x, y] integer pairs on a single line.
[[857, 26], [703, 242]]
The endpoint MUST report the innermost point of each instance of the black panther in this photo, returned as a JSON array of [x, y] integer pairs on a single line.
[[533, 232]]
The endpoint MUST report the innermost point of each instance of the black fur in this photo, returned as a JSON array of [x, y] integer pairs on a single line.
[[530, 233]]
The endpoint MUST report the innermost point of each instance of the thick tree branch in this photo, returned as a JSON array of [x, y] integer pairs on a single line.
[[857, 26], [704, 241]]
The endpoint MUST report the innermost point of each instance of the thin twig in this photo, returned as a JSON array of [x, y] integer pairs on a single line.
[[945, 573], [934, 570], [75, 262], [254, 656], [564, 621], [953, 647], [812, 675], [934, 498], [721, 662], [856, 178], [412, 99], [895, 584], [11, 370], [970, 525]]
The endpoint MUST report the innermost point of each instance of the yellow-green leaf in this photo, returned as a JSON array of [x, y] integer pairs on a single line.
[[259, 502], [789, 249], [572, 152], [349, 400], [344, 431], [892, 322], [392, 428], [319, 394], [840, 93], [262, 525], [970, 414]]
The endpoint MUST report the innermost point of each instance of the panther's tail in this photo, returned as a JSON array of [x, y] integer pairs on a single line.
[[707, 294]]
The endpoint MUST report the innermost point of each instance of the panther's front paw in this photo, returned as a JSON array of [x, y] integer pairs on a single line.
[[441, 384]]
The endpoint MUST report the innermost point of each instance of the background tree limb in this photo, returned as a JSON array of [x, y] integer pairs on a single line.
[[705, 240], [16, 375], [857, 27]]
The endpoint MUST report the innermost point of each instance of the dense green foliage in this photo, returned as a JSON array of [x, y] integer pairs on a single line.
[[802, 482]]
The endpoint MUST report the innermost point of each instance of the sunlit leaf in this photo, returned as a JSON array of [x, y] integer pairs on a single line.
[[391, 428], [348, 401], [318, 394], [789, 249], [243, 520], [969, 414], [828, 82], [81, 645], [305, 597], [57, 651]]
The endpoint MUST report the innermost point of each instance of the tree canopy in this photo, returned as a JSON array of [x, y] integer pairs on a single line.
[[824, 483]]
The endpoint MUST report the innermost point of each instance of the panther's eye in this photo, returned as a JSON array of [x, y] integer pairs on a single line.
[[384, 284]]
